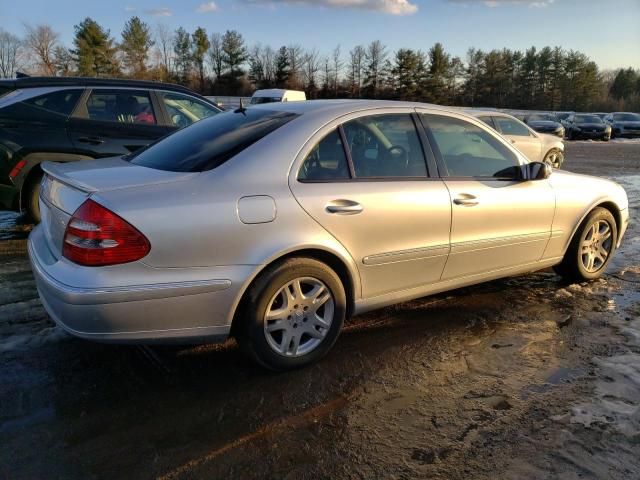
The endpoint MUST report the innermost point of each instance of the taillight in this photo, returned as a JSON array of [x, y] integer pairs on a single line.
[[95, 236], [18, 167]]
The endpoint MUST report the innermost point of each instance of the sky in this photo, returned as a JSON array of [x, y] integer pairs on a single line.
[[608, 31]]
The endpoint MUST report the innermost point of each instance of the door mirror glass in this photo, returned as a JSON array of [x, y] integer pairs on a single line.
[[536, 171]]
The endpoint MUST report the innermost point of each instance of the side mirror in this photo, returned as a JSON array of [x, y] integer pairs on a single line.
[[536, 171]]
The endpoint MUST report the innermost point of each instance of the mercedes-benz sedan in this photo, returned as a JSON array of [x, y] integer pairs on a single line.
[[274, 224]]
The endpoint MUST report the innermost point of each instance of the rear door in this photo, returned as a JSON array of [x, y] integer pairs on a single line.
[[520, 136], [115, 121], [366, 182]]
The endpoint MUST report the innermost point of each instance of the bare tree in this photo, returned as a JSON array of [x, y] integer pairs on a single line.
[[10, 54], [310, 69], [41, 42], [375, 60], [356, 69], [164, 46], [337, 65], [296, 60], [216, 55]]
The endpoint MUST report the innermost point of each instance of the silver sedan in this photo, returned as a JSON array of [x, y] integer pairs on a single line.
[[274, 224]]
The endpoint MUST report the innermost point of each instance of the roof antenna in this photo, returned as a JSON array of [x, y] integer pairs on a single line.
[[241, 108]]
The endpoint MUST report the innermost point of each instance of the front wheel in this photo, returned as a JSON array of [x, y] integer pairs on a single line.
[[591, 248], [292, 315], [554, 157]]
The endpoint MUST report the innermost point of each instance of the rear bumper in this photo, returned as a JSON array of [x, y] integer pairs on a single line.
[[192, 310]]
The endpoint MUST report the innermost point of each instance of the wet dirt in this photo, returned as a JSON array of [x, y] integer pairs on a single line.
[[521, 378]]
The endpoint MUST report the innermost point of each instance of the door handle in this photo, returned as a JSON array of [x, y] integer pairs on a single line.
[[466, 200], [91, 140], [344, 207]]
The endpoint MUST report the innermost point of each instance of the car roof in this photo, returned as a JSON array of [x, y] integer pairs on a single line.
[[345, 106], [482, 113], [35, 82]]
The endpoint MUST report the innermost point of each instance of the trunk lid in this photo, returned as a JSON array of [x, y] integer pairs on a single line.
[[66, 186]]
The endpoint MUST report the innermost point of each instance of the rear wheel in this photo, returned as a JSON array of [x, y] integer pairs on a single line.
[[554, 157], [292, 315], [591, 248], [32, 197]]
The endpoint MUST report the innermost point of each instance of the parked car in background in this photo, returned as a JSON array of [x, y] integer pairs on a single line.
[[545, 123], [275, 95], [320, 211], [70, 119], [562, 116], [624, 124], [601, 115], [538, 147], [587, 126]]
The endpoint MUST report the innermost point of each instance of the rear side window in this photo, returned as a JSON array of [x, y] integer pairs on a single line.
[[4, 89], [509, 126], [184, 110], [212, 141], [385, 146], [62, 101], [327, 161], [120, 106]]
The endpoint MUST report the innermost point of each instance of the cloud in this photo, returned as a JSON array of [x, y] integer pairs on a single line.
[[129, 8], [159, 12], [207, 7], [391, 7], [499, 3]]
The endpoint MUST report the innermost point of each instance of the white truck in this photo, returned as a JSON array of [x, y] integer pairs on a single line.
[[273, 95]]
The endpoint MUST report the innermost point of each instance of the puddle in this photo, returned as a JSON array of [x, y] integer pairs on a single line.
[[12, 226]]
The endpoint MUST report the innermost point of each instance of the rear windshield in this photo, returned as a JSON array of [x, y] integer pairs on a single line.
[[212, 141], [259, 100]]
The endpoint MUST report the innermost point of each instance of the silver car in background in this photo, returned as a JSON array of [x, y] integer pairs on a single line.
[[274, 224], [538, 147]]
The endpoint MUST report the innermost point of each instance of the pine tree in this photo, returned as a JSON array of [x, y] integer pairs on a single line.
[[136, 42], [94, 53]]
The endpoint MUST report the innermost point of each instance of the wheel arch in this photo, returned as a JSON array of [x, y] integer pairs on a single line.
[[350, 278], [607, 204], [32, 168]]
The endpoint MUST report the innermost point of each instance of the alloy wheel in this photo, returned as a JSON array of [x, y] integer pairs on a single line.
[[298, 317], [596, 246]]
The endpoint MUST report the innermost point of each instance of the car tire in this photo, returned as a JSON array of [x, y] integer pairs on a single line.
[[288, 341], [554, 157], [606, 138], [585, 245], [32, 197]]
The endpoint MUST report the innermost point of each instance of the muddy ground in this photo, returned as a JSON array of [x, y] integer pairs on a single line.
[[522, 378]]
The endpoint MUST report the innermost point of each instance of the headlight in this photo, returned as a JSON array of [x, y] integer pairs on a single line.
[[607, 128]]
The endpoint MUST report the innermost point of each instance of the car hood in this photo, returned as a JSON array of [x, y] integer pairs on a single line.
[[110, 174]]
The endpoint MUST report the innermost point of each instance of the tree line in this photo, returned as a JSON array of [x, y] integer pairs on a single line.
[[223, 64]]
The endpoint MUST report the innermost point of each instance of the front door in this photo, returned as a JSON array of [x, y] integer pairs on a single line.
[[111, 122], [376, 199], [498, 221]]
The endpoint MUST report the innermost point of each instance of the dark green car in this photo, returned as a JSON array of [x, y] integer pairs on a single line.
[[70, 119]]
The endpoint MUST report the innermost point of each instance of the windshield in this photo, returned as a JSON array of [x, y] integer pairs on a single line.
[[542, 117], [626, 117], [587, 119], [210, 142], [259, 100]]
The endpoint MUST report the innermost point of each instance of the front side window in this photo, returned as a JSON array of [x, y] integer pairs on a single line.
[[468, 150], [120, 106], [327, 161], [184, 110], [212, 141], [508, 126], [62, 101], [385, 146]]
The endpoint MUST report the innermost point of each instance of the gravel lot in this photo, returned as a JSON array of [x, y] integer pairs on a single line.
[[523, 378]]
